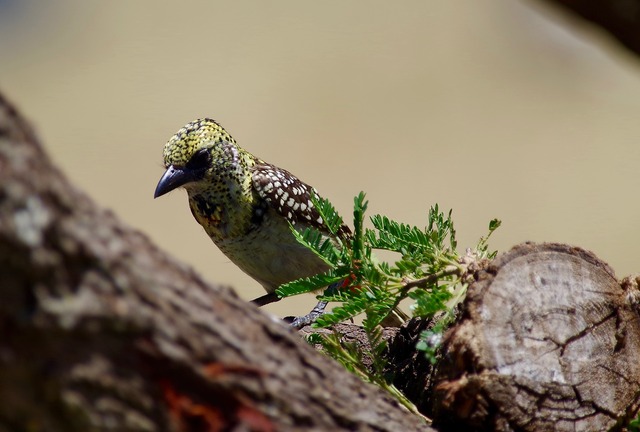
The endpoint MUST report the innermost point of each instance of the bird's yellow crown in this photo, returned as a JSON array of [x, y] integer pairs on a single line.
[[194, 136]]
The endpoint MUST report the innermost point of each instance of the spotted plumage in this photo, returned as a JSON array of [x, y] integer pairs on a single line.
[[243, 203], [289, 196]]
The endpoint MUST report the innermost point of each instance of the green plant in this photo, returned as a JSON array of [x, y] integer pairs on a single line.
[[429, 271], [634, 425]]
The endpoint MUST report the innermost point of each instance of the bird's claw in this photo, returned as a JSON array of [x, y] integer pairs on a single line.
[[305, 320]]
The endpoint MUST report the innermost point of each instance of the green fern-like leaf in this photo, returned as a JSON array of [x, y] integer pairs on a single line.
[[359, 208], [378, 344], [319, 243], [428, 302], [346, 353], [483, 245], [328, 213], [348, 310], [397, 236], [430, 341], [312, 283], [441, 228]]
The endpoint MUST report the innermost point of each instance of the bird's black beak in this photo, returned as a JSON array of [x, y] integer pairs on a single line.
[[172, 178]]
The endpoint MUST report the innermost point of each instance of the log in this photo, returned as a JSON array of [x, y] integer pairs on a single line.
[[101, 330], [548, 340]]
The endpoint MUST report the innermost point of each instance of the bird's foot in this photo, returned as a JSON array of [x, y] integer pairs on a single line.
[[301, 321]]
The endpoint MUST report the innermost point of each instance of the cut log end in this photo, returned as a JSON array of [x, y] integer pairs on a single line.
[[548, 341]]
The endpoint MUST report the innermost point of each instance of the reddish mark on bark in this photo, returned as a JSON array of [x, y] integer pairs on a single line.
[[188, 415], [216, 370], [222, 409]]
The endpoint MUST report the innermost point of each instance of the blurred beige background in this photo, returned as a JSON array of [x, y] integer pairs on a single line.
[[493, 108]]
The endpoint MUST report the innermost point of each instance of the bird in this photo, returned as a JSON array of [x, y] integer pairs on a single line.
[[247, 207]]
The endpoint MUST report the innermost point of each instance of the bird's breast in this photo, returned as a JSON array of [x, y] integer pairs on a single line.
[[209, 214], [271, 255], [224, 218]]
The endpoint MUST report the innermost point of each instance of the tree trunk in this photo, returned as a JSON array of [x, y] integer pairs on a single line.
[[103, 331]]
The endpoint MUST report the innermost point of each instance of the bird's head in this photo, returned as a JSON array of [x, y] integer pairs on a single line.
[[196, 153]]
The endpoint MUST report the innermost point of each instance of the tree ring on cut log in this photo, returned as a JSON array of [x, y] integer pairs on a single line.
[[548, 341]]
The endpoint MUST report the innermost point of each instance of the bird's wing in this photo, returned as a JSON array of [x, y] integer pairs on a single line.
[[289, 196]]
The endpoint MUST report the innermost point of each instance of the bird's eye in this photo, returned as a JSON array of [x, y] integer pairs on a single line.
[[200, 160]]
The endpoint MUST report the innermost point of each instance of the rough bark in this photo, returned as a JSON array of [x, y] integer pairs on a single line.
[[619, 18], [101, 330], [548, 340]]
